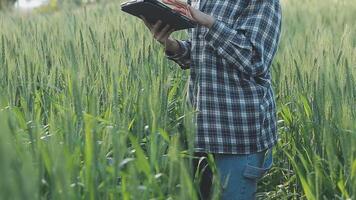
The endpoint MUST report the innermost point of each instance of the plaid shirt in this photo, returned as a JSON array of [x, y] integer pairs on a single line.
[[230, 81]]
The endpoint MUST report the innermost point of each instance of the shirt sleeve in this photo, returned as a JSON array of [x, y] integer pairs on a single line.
[[251, 43], [183, 57]]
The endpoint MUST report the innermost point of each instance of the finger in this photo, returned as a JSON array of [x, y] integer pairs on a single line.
[[181, 11], [165, 37], [189, 13], [169, 2], [185, 12], [169, 32], [156, 27], [181, 3], [174, 3], [163, 32]]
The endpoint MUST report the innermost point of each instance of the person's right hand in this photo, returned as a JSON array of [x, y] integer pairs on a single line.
[[192, 13], [162, 35]]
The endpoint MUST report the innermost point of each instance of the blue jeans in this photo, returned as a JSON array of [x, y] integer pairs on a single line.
[[238, 174]]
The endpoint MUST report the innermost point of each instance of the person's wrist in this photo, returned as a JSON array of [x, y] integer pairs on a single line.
[[172, 46]]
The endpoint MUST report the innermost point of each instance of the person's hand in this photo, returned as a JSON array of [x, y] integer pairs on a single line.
[[192, 13], [162, 35]]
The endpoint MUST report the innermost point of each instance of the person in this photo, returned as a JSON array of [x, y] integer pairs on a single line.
[[229, 55]]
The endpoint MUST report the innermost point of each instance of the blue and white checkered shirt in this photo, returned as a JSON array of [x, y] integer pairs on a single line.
[[230, 80]]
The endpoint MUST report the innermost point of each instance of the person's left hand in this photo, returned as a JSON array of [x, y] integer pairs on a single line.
[[192, 13]]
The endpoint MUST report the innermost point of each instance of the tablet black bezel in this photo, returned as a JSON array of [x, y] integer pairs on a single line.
[[161, 5]]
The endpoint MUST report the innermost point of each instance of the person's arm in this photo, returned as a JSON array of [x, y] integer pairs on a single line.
[[251, 44], [182, 57], [176, 50]]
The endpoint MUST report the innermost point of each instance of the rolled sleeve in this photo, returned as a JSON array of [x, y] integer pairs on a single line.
[[251, 43], [182, 58]]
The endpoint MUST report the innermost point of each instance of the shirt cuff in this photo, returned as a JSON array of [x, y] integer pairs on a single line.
[[182, 53]]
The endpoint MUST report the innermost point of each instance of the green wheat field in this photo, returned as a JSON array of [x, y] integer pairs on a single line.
[[91, 109]]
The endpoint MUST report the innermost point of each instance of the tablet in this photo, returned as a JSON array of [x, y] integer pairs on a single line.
[[154, 10]]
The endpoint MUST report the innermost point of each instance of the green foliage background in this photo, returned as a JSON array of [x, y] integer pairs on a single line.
[[78, 87], [5, 3]]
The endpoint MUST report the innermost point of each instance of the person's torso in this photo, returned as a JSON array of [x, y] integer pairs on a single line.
[[229, 102]]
